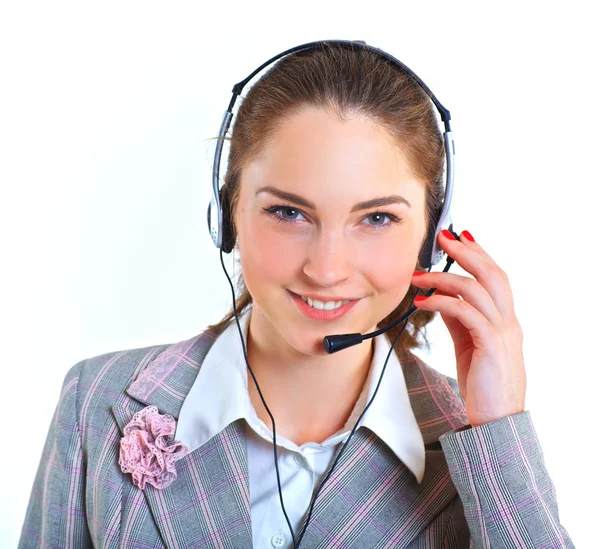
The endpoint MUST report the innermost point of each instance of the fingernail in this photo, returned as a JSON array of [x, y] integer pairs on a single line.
[[448, 234], [418, 273], [420, 298], [468, 236]]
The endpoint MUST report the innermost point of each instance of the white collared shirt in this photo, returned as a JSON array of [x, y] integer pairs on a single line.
[[220, 395]]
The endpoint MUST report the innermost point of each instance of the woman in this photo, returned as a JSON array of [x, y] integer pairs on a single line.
[[172, 445]]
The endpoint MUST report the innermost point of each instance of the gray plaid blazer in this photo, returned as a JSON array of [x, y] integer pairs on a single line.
[[484, 487]]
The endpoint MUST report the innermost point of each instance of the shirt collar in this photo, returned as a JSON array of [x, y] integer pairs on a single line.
[[220, 395]]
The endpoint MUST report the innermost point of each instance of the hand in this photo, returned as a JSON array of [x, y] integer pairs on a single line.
[[488, 339]]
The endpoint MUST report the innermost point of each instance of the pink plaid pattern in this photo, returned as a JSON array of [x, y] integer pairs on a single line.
[[483, 487]]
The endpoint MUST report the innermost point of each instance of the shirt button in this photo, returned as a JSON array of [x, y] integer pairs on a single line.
[[278, 540], [299, 460]]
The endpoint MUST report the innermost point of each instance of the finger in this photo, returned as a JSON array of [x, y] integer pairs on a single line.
[[461, 337], [473, 259], [483, 334], [459, 333], [467, 288]]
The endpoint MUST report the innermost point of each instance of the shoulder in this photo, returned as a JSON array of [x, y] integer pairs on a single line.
[[105, 375], [418, 373], [92, 385], [101, 381], [454, 384], [431, 392], [95, 386]]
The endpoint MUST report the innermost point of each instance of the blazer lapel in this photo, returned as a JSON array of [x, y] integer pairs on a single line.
[[208, 504], [372, 499]]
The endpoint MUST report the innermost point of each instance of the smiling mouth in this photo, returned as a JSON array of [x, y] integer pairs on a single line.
[[324, 305]]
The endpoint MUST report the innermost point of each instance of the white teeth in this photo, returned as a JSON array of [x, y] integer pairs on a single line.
[[327, 306]]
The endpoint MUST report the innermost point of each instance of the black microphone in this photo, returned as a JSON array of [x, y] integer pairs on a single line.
[[335, 343]]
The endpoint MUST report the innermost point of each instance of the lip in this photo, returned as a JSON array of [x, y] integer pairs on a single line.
[[315, 314]]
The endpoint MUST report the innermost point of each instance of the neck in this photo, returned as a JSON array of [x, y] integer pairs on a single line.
[[311, 395]]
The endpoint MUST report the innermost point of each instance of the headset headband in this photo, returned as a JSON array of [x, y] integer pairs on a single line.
[[215, 211]]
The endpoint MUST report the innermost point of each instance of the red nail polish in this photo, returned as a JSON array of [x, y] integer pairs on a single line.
[[418, 273], [468, 236], [448, 234], [420, 298]]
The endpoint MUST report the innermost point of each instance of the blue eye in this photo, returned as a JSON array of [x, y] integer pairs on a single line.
[[393, 218], [278, 217], [382, 214], [376, 226]]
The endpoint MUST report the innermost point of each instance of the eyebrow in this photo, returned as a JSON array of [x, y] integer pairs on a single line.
[[373, 203]]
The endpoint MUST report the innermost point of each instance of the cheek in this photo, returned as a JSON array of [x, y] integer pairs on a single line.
[[267, 254], [391, 273], [390, 276], [388, 263]]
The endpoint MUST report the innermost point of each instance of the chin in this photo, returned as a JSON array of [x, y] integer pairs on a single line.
[[309, 341]]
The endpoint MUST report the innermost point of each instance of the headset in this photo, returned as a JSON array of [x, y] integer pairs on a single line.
[[221, 232]]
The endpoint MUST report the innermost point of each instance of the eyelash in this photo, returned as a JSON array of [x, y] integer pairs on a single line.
[[271, 211]]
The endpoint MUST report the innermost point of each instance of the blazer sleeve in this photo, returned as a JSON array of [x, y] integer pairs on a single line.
[[56, 515], [507, 495]]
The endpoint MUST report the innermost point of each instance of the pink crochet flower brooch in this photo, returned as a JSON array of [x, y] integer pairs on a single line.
[[148, 450]]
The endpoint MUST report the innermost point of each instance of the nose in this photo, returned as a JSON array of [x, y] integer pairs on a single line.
[[328, 261]]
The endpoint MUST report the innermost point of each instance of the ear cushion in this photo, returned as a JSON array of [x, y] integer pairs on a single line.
[[228, 239]]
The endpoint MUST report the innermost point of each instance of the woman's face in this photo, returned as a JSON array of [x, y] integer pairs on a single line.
[[320, 243]]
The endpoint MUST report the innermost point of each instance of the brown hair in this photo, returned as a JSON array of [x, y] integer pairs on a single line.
[[344, 80]]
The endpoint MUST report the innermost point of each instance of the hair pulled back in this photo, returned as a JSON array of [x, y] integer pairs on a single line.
[[346, 81]]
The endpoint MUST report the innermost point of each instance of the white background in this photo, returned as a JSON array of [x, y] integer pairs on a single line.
[[106, 117]]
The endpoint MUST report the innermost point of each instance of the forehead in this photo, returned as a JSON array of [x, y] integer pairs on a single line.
[[320, 156]]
